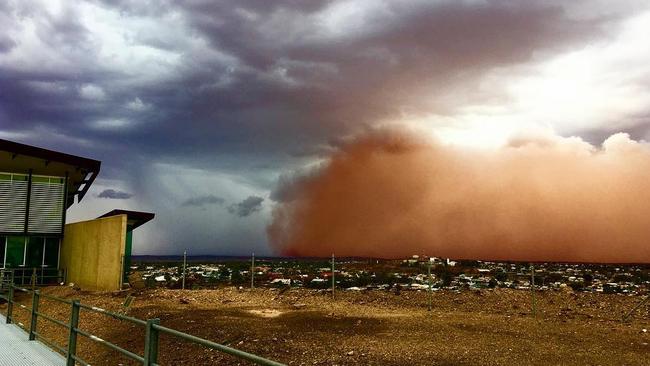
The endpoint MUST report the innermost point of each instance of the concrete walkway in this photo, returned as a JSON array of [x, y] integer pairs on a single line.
[[16, 350]]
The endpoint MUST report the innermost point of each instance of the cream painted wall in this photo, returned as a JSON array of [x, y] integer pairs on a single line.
[[92, 253]]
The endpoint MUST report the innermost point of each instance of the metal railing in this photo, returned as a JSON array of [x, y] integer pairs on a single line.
[[33, 276], [152, 329], [6, 279]]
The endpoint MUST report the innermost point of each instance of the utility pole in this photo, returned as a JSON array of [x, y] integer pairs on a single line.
[[333, 282], [184, 266], [253, 271], [429, 279], [532, 289]]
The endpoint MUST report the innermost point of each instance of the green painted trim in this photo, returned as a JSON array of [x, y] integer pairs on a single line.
[[128, 249]]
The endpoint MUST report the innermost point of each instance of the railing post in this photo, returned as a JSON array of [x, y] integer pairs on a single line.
[[32, 327], [151, 343], [72, 339], [10, 303], [34, 278]]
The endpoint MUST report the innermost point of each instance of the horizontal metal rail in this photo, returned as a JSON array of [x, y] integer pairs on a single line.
[[36, 276], [80, 360], [64, 301], [113, 315], [109, 345], [152, 329], [220, 347], [39, 276], [50, 343], [55, 321]]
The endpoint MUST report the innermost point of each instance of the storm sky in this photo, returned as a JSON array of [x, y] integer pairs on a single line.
[[201, 111]]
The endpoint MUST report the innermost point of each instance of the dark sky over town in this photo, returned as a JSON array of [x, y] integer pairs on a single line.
[[201, 111]]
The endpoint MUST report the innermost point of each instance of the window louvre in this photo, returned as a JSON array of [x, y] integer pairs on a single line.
[[13, 202], [46, 205]]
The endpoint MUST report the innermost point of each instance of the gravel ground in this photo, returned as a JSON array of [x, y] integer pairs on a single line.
[[305, 327]]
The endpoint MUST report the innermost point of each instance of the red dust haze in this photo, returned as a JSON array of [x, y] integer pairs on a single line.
[[388, 194]]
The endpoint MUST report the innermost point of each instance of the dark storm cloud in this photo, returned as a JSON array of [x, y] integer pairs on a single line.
[[395, 60], [114, 195], [638, 128], [246, 207], [203, 200], [272, 71]]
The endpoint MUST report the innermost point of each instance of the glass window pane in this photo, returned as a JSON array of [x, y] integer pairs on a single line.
[[2, 251], [35, 252], [37, 179], [51, 252], [15, 251]]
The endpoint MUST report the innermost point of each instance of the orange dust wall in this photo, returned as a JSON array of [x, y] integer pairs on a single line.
[[92, 253]]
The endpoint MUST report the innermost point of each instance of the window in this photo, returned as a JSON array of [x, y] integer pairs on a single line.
[[42, 252], [35, 250], [46, 205], [15, 251], [13, 202], [3, 245], [51, 257], [14, 177]]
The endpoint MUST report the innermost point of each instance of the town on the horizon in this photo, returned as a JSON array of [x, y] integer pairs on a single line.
[[359, 274]]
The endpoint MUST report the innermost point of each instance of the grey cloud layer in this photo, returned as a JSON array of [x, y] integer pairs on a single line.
[[114, 195], [246, 207], [270, 72], [203, 200]]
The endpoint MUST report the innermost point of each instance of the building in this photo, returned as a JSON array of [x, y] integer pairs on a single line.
[[37, 186], [134, 219]]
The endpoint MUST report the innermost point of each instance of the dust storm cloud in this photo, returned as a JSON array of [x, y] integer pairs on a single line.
[[542, 198]]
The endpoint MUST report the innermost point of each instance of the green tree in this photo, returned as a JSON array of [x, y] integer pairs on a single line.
[[501, 276]]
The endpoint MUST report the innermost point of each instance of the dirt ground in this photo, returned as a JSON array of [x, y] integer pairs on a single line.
[[306, 327]]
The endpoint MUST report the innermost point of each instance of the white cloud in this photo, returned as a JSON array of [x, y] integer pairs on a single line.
[[111, 124], [598, 86], [92, 92], [602, 86], [137, 105]]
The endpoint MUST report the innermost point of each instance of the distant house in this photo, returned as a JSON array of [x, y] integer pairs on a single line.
[[281, 281]]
